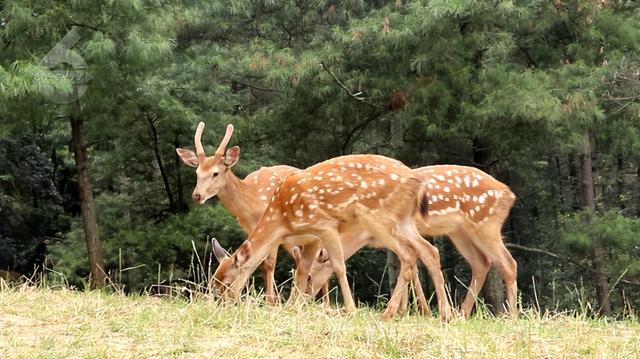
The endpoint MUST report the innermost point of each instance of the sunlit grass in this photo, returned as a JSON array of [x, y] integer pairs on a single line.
[[37, 322]]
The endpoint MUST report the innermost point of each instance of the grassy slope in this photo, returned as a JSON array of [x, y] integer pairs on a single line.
[[46, 323]]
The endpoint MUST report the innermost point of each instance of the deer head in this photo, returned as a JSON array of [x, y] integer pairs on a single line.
[[211, 171]]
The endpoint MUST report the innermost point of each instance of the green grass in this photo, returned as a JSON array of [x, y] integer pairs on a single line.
[[46, 323]]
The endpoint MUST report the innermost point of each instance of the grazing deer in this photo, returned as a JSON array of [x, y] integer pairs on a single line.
[[245, 199], [369, 197], [470, 207]]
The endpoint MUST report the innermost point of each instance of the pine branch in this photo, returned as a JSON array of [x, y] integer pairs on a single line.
[[257, 87], [567, 259], [356, 96]]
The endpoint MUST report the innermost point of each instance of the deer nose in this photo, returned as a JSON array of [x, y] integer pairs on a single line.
[[196, 197]]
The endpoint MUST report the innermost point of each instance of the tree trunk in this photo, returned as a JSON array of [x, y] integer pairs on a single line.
[[163, 171], [589, 204], [394, 269], [97, 276], [493, 290], [182, 206]]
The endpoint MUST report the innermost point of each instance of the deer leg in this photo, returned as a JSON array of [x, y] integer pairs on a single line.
[[268, 267], [324, 291], [399, 294], [479, 264], [493, 248], [423, 305], [431, 258], [331, 242], [309, 252]]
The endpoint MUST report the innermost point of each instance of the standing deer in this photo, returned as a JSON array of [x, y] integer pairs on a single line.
[[470, 207], [245, 199], [371, 198]]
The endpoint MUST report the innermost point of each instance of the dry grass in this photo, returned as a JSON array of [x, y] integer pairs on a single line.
[[46, 323]]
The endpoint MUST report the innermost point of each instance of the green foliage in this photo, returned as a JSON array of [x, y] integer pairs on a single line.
[[510, 87]]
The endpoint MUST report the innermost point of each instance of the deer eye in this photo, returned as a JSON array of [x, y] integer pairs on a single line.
[[215, 174]]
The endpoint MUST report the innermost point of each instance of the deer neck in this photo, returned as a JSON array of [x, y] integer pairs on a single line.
[[242, 201]]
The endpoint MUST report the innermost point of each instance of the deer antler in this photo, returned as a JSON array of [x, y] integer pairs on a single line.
[[225, 141], [199, 148]]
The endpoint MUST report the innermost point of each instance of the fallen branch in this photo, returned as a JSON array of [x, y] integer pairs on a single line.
[[567, 259]]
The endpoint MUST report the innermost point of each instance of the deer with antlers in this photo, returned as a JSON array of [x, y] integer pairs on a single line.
[[370, 197], [470, 207], [245, 199]]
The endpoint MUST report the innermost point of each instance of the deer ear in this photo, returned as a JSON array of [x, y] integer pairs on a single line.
[[232, 156], [297, 256], [218, 251], [243, 254], [188, 157], [323, 256]]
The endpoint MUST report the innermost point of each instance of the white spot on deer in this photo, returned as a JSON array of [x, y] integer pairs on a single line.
[[458, 179], [474, 198], [338, 178], [349, 184], [446, 199], [393, 176], [450, 181], [475, 183], [441, 197], [363, 184], [457, 205], [446, 189], [351, 164], [299, 213], [467, 181], [436, 186], [293, 198], [490, 192], [434, 198], [471, 212], [321, 191], [328, 190], [382, 167], [429, 186], [481, 199], [431, 180], [329, 206], [359, 165], [381, 181], [311, 216], [440, 177], [264, 198], [268, 189]]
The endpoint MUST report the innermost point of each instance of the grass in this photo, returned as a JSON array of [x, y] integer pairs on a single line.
[[47, 323]]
